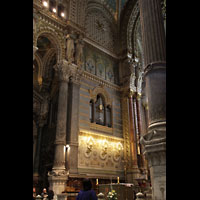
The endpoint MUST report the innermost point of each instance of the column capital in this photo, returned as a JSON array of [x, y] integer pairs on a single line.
[[63, 70], [155, 144], [154, 66], [76, 74]]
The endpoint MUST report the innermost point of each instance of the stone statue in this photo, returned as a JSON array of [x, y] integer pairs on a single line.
[[70, 47], [79, 51]]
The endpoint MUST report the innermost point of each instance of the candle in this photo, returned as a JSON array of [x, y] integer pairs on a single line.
[[118, 179], [97, 181]]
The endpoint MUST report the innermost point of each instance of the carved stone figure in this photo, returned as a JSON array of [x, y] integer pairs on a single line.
[[70, 47], [79, 50]]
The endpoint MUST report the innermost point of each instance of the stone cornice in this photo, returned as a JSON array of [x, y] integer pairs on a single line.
[[94, 78]]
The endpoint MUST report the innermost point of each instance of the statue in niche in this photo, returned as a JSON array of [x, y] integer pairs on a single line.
[[70, 47], [79, 51]]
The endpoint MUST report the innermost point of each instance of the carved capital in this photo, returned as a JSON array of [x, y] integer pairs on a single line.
[[63, 70], [154, 66], [155, 144], [58, 173], [76, 75]]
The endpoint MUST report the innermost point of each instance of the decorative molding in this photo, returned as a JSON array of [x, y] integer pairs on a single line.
[[125, 122], [131, 22], [101, 81]]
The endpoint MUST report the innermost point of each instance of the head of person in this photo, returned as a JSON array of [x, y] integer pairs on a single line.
[[87, 185], [44, 190]]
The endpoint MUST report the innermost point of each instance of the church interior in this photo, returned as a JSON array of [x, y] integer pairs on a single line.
[[99, 97]]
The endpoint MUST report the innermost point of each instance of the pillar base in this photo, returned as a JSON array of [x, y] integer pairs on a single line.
[[57, 181]]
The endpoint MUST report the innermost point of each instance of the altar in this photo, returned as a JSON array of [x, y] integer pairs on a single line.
[[125, 191]]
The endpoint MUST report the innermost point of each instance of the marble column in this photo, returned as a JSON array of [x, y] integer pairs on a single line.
[[58, 176], [73, 130], [132, 129], [133, 172], [154, 141], [40, 126]]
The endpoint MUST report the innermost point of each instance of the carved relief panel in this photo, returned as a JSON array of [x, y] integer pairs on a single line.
[[100, 152]]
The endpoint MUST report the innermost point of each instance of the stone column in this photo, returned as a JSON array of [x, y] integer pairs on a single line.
[[154, 140], [58, 175], [132, 130], [73, 119], [40, 126]]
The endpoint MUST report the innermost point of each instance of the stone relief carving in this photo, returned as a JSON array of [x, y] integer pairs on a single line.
[[90, 144], [118, 149], [63, 70], [104, 152], [100, 152]]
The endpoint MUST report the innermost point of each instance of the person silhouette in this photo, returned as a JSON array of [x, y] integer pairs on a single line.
[[87, 193]]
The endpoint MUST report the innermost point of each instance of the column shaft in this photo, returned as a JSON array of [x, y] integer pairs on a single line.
[[132, 131], [154, 141], [37, 153], [73, 126], [153, 34], [60, 142]]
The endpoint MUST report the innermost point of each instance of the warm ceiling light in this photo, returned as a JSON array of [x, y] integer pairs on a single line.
[[45, 3], [62, 14], [54, 10]]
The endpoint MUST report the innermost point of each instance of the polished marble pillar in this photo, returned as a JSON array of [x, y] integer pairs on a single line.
[[58, 176], [73, 123], [40, 126], [154, 141]]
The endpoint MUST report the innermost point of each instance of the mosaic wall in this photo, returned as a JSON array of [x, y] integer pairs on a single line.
[[101, 64]]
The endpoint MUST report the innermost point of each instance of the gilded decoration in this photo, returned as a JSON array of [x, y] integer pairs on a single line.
[[100, 151], [45, 27], [125, 122]]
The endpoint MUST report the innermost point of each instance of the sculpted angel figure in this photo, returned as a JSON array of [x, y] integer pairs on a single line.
[[70, 47], [79, 50]]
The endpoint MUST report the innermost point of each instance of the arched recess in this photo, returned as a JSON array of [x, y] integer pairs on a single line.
[[100, 25], [49, 61], [56, 39], [100, 90], [131, 27], [125, 24]]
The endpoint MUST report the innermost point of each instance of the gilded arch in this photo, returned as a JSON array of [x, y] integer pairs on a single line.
[[58, 40]]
